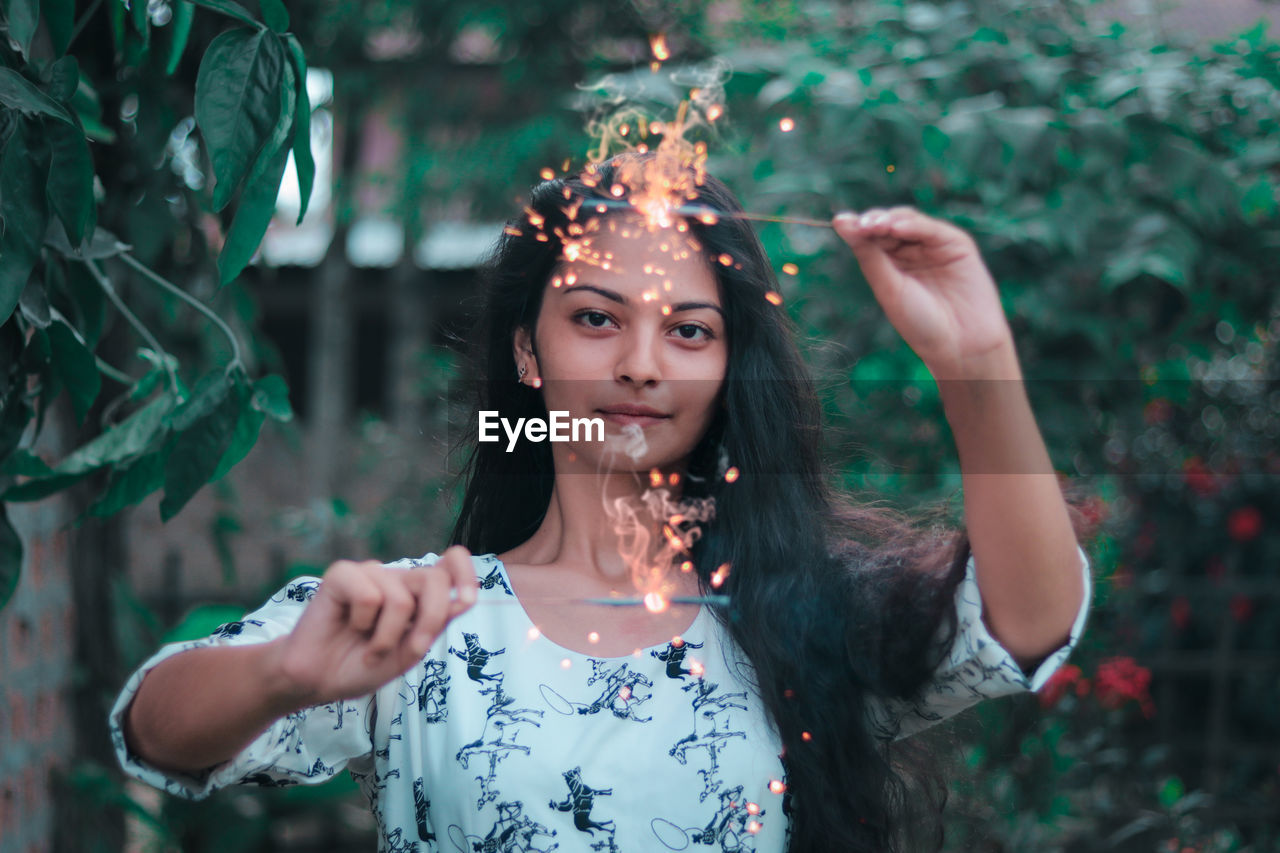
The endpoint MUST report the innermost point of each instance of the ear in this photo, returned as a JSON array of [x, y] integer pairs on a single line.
[[523, 351]]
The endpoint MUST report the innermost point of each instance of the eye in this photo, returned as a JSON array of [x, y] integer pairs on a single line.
[[682, 332], [594, 314]]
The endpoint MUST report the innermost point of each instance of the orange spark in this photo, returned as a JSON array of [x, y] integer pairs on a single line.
[[753, 808], [714, 112], [696, 669], [674, 478], [776, 786], [708, 218], [593, 637], [547, 173], [731, 474], [806, 736], [753, 826], [535, 219], [655, 477], [534, 633], [790, 269], [719, 575], [726, 260], [654, 602], [625, 693], [677, 641], [537, 382], [890, 168], [566, 663], [686, 566], [787, 125], [774, 297], [658, 43], [666, 309]]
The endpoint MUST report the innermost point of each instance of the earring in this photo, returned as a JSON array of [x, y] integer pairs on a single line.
[[521, 377]]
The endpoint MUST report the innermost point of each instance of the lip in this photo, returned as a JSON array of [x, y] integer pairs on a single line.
[[643, 416]]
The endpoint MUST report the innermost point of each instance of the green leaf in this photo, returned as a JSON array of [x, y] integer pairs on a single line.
[[303, 162], [70, 187], [64, 78], [22, 15], [125, 440], [10, 558], [24, 463], [18, 93], [60, 16], [238, 103], [23, 167], [258, 201], [183, 14], [275, 15], [271, 396], [34, 303], [202, 431], [234, 10], [75, 366], [103, 244], [130, 483], [245, 436]]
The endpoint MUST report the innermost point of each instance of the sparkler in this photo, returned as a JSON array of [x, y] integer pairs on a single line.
[[631, 601], [709, 215]]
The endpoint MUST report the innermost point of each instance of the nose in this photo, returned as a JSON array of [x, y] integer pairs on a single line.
[[638, 362]]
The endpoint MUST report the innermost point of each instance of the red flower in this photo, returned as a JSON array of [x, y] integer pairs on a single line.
[[1180, 612], [1241, 607], [1199, 478], [1054, 689], [1244, 523], [1120, 680]]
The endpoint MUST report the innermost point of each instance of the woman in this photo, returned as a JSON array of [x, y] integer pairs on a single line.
[[772, 713]]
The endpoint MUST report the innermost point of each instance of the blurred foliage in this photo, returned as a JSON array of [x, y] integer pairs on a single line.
[[66, 279], [1123, 193]]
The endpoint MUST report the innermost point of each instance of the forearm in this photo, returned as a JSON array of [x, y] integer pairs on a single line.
[[1019, 528], [203, 706]]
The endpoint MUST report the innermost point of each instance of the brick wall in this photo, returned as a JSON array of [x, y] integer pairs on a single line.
[[36, 644]]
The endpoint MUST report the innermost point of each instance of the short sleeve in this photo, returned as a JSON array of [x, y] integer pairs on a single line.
[[976, 667], [308, 746]]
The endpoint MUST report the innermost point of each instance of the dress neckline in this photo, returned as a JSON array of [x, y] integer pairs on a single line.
[[695, 628]]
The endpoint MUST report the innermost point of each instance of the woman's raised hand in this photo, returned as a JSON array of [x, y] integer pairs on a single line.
[[929, 278], [369, 624]]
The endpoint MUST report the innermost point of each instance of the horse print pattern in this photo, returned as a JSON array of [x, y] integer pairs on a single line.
[[501, 741]]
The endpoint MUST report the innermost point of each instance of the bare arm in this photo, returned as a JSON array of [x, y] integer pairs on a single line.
[[203, 706], [366, 625]]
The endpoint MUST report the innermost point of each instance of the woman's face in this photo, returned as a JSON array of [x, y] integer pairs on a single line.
[[635, 319]]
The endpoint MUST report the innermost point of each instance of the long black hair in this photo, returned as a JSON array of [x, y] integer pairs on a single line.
[[832, 600]]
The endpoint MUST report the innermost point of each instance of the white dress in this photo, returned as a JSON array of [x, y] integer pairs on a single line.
[[501, 740]]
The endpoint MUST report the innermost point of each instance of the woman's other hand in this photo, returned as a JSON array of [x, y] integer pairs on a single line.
[[369, 624], [930, 279]]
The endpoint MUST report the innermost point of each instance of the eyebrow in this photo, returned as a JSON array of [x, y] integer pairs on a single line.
[[622, 300]]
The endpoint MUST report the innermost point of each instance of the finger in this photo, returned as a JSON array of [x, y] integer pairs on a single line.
[[394, 617], [456, 561], [349, 586], [876, 264], [432, 586]]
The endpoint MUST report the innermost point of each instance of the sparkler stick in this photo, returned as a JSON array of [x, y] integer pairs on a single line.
[[634, 601], [703, 212]]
